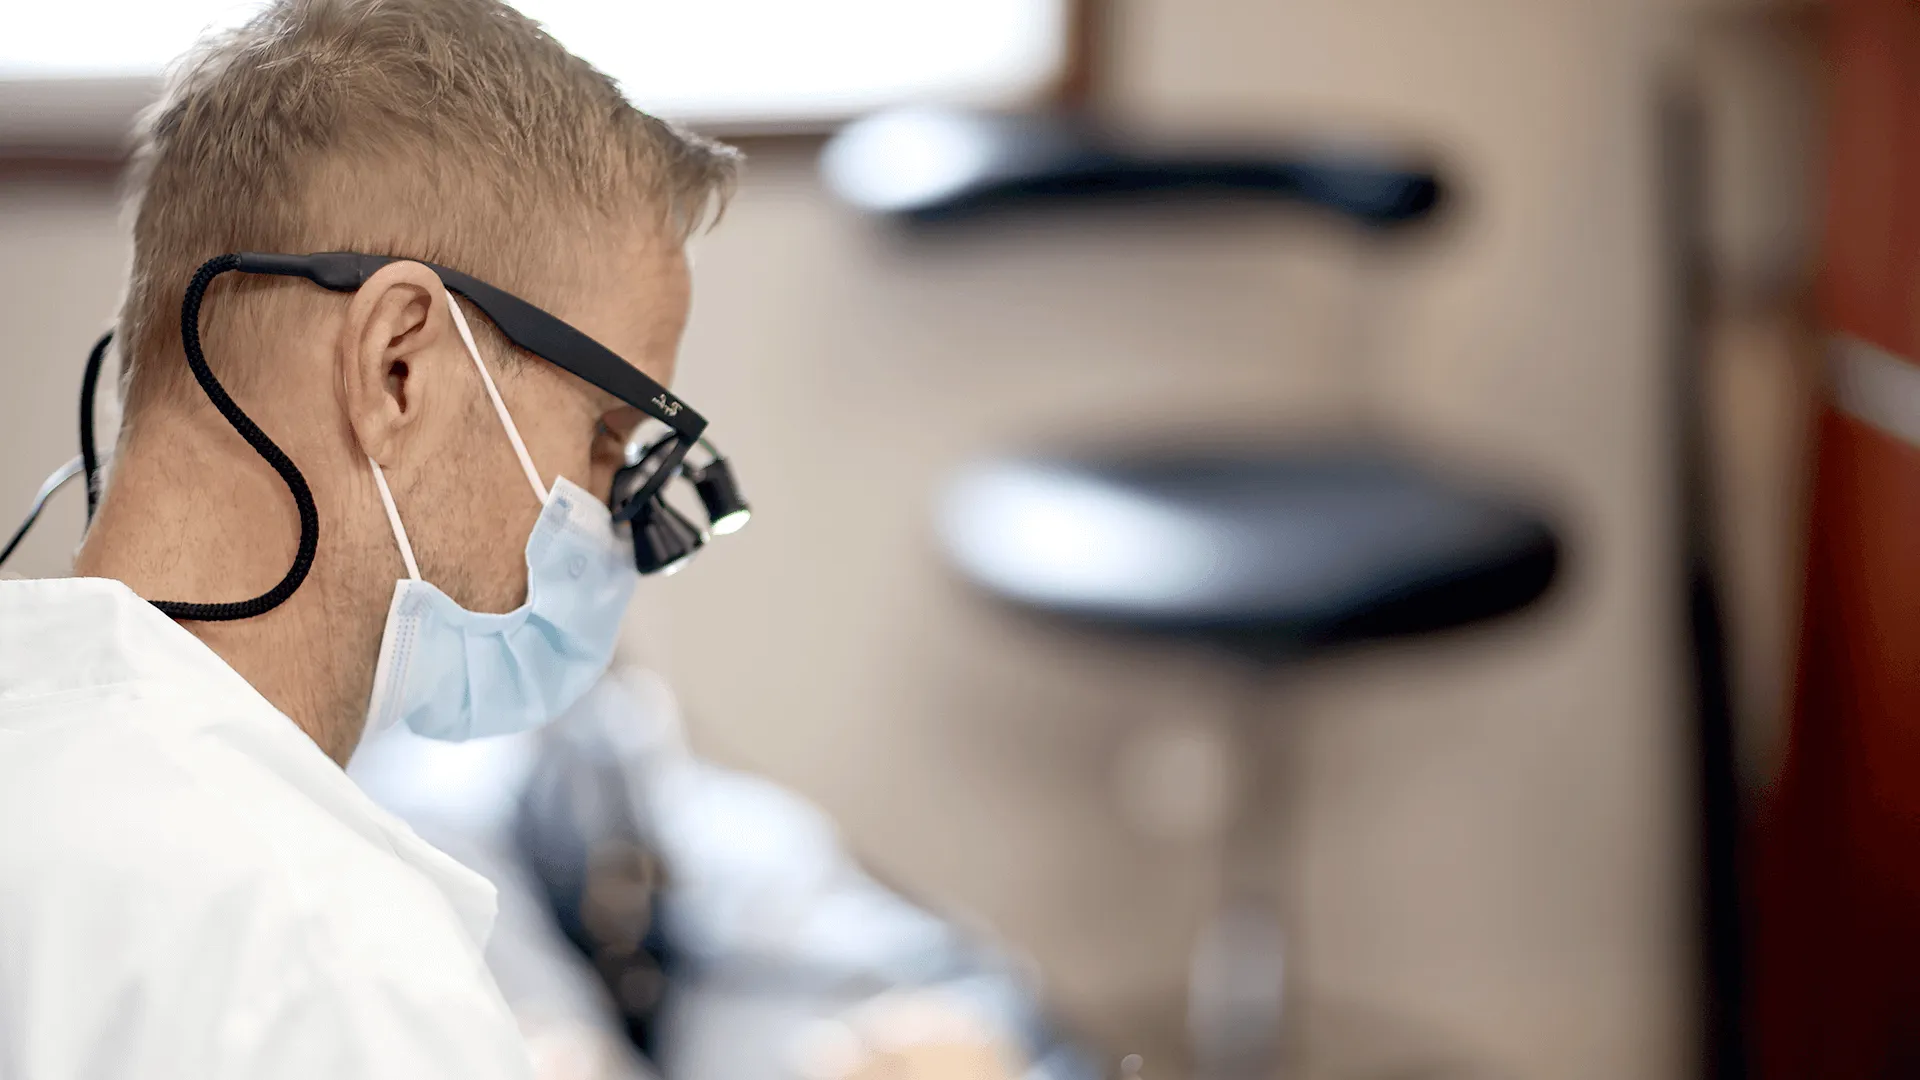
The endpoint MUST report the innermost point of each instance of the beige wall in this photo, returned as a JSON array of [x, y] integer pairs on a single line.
[[62, 255], [1490, 828]]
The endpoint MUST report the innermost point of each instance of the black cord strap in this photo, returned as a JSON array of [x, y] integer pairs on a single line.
[[89, 455], [250, 431]]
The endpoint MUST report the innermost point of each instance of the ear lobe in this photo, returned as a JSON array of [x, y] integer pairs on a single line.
[[394, 328]]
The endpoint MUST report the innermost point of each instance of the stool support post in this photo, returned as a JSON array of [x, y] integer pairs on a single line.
[[1241, 1007]]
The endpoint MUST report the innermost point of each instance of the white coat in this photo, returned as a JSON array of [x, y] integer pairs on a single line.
[[190, 888]]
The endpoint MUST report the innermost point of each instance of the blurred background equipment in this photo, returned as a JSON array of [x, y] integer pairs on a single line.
[[1270, 557], [932, 164], [708, 920]]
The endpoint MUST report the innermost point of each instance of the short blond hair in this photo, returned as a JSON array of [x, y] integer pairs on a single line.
[[454, 131]]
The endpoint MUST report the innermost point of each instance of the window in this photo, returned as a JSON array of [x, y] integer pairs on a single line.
[[80, 68]]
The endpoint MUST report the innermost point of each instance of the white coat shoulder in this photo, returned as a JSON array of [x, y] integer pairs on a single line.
[[185, 891]]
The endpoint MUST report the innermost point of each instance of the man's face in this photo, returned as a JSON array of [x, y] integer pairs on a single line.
[[469, 521]]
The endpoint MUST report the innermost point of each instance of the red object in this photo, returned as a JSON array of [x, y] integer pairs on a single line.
[[1836, 970]]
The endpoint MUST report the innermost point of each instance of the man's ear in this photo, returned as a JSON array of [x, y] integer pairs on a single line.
[[386, 354]]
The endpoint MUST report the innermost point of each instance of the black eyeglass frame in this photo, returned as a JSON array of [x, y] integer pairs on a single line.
[[662, 538], [537, 331]]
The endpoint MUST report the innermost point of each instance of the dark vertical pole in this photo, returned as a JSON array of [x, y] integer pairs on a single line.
[[1089, 45], [1716, 776]]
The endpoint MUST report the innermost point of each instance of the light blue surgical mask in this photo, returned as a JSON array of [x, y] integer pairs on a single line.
[[453, 674]]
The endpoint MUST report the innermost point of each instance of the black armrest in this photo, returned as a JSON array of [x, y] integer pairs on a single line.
[[925, 165]]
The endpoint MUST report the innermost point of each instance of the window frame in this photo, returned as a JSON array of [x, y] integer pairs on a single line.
[[90, 118]]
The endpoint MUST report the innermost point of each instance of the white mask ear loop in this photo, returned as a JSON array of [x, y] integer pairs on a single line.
[[513, 433], [393, 519]]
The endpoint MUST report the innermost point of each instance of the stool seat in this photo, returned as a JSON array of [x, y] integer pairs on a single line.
[[1275, 550]]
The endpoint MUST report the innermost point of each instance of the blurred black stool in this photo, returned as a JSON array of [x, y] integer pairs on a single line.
[[1273, 558]]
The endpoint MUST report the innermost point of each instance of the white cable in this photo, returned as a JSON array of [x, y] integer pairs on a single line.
[[393, 518]]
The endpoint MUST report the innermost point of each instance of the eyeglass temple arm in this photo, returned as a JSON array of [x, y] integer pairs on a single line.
[[536, 331]]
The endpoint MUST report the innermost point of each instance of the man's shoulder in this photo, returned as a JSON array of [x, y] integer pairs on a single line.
[[118, 799], [157, 882], [177, 831], [101, 798]]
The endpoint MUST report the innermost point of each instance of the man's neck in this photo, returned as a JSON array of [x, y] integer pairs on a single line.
[[202, 518]]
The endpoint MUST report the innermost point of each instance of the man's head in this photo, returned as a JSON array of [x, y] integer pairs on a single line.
[[453, 131]]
